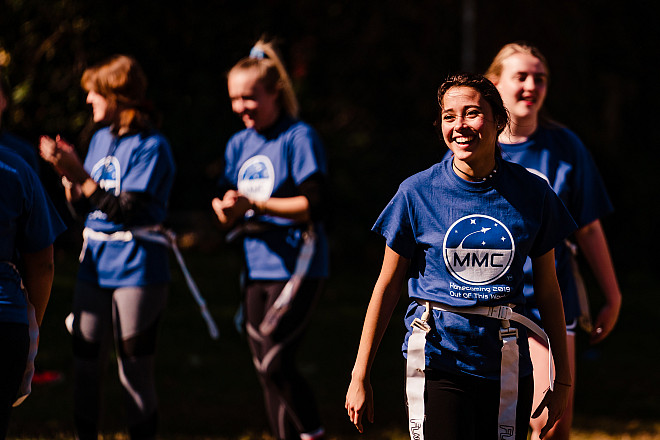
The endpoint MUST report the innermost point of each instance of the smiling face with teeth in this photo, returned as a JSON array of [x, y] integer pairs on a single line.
[[469, 129], [523, 85]]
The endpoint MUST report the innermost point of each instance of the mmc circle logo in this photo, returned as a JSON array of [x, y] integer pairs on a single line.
[[107, 172], [256, 178], [478, 249]]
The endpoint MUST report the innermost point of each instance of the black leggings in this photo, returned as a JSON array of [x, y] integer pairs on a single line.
[[461, 407], [128, 316], [290, 403], [14, 347]]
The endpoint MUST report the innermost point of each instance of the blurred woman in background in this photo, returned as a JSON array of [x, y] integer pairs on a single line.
[[520, 73], [29, 225], [274, 196], [123, 278]]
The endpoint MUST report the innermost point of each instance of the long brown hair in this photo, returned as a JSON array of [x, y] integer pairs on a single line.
[[122, 82]]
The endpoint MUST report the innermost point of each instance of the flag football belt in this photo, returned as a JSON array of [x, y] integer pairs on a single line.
[[165, 237], [583, 298], [25, 388], [253, 227], [416, 363], [288, 293], [303, 261]]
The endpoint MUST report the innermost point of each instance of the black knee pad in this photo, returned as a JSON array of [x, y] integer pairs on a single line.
[[141, 344]]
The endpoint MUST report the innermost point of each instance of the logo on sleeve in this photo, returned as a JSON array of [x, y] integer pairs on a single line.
[[478, 249], [256, 178], [107, 174]]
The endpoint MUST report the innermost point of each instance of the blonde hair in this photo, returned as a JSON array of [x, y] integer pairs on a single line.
[[494, 71], [496, 66], [271, 74], [122, 82]]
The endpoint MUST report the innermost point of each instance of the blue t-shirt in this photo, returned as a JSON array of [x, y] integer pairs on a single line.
[[274, 164], [28, 223], [21, 147], [467, 244], [561, 159], [142, 163]]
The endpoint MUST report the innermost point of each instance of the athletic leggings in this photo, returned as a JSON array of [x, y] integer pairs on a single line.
[[290, 403], [462, 407], [14, 347], [129, 315]]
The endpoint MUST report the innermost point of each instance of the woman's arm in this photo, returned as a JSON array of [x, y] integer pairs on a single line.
[[359, 398], [122, 208], [233, 205], [593, 244], [310, 205], [548, 298], [38, 270], [294, 208]]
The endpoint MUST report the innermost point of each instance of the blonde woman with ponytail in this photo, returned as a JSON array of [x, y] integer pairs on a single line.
[[275, 200]]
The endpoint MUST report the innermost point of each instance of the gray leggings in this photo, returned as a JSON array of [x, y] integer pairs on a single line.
[[129, 316]]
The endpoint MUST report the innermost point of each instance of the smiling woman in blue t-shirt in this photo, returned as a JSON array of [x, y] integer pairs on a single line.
[[123, 278], [459, 234]]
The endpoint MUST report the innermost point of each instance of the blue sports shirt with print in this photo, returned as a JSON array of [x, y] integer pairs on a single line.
[[467, 244]]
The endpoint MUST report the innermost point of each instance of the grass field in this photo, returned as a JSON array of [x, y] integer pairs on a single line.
[[208, 389]]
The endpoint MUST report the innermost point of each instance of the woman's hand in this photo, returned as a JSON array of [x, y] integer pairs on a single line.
[[232, 207], [593, 244], [48, 151], [63, 157], [556, 402], [605, 321], [359, 400]]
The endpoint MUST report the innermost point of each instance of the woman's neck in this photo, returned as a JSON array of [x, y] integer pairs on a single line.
[[474, 172], [519, 130], [270, 123]]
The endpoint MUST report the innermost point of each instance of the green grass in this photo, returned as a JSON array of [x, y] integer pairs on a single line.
[[208, 389]]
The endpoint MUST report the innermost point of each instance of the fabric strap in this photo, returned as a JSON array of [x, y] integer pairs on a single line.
[[416, 363], [583, 298], [415, 376], [506, 422], [166, 237], [283, 301]]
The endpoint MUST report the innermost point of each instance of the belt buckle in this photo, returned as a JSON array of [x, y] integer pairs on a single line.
[[418, 323], [508, 333], [500, 312]]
